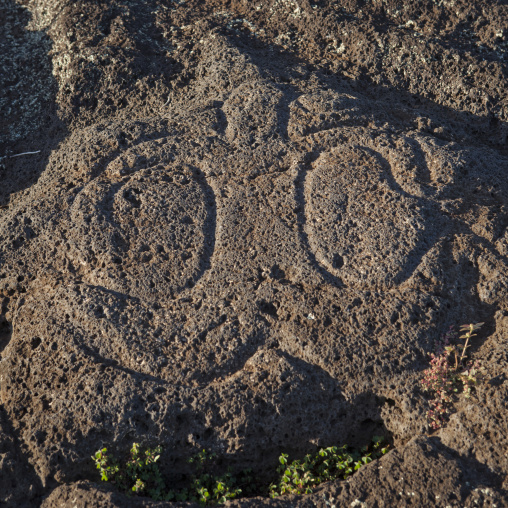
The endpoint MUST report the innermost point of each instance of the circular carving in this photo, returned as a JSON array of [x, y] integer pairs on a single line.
[[360, 227], [150, 232]]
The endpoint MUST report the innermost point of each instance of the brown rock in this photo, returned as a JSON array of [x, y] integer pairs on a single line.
[[242, 227]]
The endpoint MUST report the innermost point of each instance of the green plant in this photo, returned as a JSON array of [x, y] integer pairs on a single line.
[[301, 476], [297, 477], [206, 487], [140, 473], [450, 374]]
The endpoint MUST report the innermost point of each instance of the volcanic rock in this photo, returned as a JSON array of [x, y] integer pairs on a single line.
[[242, 227]]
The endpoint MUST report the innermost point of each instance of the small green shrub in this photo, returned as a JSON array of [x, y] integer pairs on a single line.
[[140, 474], [301, 476], [450, 374], [207, 488]]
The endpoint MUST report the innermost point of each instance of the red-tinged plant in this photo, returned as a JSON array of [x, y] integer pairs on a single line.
[[449, 374]]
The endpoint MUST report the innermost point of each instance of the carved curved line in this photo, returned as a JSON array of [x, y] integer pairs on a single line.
[[209, 227], [301, 221], [413, 261], [407, 269]]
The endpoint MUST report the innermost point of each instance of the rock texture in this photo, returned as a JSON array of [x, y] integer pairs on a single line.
[[244, 227]]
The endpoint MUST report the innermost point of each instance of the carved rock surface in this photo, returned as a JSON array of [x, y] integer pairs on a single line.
[[243, 226]]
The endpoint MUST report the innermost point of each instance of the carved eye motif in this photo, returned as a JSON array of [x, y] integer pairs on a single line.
[[361, 229], [150, 232]]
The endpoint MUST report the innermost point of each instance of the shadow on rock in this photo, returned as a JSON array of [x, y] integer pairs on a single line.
[[28, 107], [19, 483], [422, 473]]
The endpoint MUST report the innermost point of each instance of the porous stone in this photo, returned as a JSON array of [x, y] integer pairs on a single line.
[[243, 227]]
